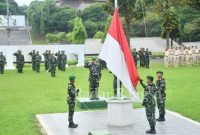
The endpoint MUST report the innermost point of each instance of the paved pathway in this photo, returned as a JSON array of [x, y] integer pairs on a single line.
[[56, 124]]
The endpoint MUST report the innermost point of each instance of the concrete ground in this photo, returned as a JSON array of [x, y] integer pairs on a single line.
[[57, 124]]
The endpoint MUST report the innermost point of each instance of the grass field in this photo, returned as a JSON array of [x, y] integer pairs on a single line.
[[24, 95]]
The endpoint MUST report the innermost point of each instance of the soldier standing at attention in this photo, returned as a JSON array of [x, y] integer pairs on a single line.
[[38, 59], [147, 58], [46, 59], [94, 78], [149, 103], [72, 93], [19, 61], [59, 59], [134, 55], [166, 59], [176, 57], [33, 55], [53, 64], [2, 62], [161, 95], [63, 59]]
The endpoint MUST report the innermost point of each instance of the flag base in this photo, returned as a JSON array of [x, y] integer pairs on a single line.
[[86, 103], [120, 112]]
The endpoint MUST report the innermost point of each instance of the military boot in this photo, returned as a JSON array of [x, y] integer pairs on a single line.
[[72, 125], [161, 118], [151, 131]]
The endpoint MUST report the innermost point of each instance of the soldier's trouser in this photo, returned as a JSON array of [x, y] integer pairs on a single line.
[[188, 60], [94, 85], [46, 65], [135, 61], [71, 104], [150, 114], [161, 103], [166, 60], [37, 66], [176, 61], [53, 71], [20, 67], [1, 68], [63, 66], [147, 63], [33, 65]]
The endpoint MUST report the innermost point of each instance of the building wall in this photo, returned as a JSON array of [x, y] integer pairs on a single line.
[[15, 21]]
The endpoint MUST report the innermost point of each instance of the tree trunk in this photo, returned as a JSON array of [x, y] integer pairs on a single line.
[[167, 39], [127, 30]]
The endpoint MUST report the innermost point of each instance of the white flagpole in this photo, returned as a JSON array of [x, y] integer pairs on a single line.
[[118, 81]]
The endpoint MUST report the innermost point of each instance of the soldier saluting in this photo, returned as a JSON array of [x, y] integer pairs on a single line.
[[149, 103], [2, 63], [161, 95], [72, 93], [94, 78]]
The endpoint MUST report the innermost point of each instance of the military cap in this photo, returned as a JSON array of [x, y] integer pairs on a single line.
[[72, 77], [159, 72], [94, 58], [150, 78]]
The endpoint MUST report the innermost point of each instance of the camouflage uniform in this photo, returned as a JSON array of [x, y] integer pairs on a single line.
[[63, 59], [19, 61], [161, 97], [46, 60], [147, 58], [94, 78], [149, 104], [142, 57], [72, 92], [2, 63], [38, 59], [134, 55], [33, 56], [115, 85], [53, 64], [58, 55]]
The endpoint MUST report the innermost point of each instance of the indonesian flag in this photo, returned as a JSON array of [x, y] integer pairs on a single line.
[[117, 55]]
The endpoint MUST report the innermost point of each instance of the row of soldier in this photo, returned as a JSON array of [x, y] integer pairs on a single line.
[[51, 61], [143, 55], [182, 56]]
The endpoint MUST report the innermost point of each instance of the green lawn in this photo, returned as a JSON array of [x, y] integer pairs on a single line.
[[24, 95]]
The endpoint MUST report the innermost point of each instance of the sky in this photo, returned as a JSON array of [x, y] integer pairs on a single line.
[[22, 2]]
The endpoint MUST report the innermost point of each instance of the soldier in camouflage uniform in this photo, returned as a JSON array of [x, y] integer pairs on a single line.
[[149, 103], [53, 64], [94, 78], [46, 60], [63, 59], [72, 92], [147, 58], [38, 59], [58, 55], [115, 85], [19, 61], [2, 63], [134, 55], [33, 55], [161, 95]]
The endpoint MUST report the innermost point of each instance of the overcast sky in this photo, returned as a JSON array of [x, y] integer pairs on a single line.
[[22, 2]]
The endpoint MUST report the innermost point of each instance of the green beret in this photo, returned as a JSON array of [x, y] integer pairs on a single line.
[[159, 72], [72, 78], [94, 58], [150, 78]]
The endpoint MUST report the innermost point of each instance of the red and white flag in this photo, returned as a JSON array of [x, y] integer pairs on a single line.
[[117, 55]]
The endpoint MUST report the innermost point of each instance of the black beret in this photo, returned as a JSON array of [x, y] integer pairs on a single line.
[[159, 72], [150, 78]]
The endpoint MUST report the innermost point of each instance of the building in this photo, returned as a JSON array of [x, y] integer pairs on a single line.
[[77, 4]]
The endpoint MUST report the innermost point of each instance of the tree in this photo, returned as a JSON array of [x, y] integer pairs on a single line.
[[128, 10], [99, 34], [193, 3], [106, 28], [95, 13], [91, 28], [14, 8], [79, 32]]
